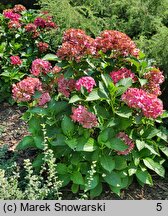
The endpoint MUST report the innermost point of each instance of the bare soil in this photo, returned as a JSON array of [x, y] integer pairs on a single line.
[[13, 129]]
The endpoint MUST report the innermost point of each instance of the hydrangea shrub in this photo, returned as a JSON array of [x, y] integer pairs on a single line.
[[24, 36], [98, 99]]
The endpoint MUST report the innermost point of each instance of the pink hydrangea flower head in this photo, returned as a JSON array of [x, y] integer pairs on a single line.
[[153, 106], [87, 82], [40, 66], [124, 137], [18, 8], [65, 86], [45, 98], [134, 97], [56, 69], [83, 117], [31, 27], [14, 24], [25, 89], [50, 24], [152, 88], [11, 15], [42, 46], [15, 60], [150, 105], [121, 74], [155, 76], [76, 45], [120, 43], [40, 22]]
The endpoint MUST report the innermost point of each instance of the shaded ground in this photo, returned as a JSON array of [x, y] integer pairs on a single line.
[[13, 129]]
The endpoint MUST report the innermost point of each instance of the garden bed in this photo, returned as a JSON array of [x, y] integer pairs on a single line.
[[13, 129]]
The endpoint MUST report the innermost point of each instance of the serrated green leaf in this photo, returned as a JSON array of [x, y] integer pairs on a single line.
[[57, 107], [163, 133], [126, 82], [144, 177], [74, 188], [101, 111], [151, 164], [150, 133], [136, 158], [27, 142], [94, 95], [124, 112], [50, 57], [140, 144], [61, 169], [164, 114], [39, 141], [72, 143], [164, 149], [152, 149], [67, 126], [116, 144], [59, 140], [38, 110], [120, 162], [103, 136], [107, 163], [132, 169], [142, 81], [124, 123], [113, 179], [96, 191], [87, 145], [77, 178], [116, 190], [38, 161], [74, 99]]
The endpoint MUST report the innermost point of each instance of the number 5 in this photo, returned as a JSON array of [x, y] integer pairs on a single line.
[[159, 207]]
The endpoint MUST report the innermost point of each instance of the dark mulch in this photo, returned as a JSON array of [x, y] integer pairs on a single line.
[[13, 129]]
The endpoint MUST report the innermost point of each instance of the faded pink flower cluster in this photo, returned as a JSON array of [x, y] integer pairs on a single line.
[[150, 105], [15, 60], [76, 44], [45, 22], [65, 86], [83, 117], [40, 66], [121, 74], [13, 24], [14, 15], [87, 82], [9, 13], [42, 46], [18, 8], [155, 78], [111, 40], [124, 137], [56, 69], [25, 89], [44, 98], [30, 27]]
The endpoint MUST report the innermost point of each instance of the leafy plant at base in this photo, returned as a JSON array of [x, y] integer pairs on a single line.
[[33, 186], [100, 120]]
